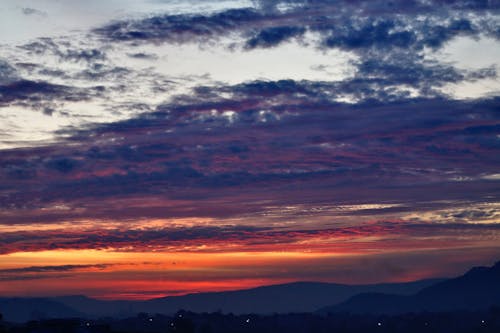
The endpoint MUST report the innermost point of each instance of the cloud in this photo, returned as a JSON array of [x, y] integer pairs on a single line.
[[397, 235], [375, 25], [273, 137], [7, 72], [386, 78], [50, 269], [381, 6], [46, 272], [473, 214], [143, 56], [33, 11], [365, 33], [138, 239], [371, 34], [25, 90], [376, 162], [387, 59], [179, 28], [274, 36], [48, 88], [390, 42], [23, 277], [65, 50], [40, 94], [62, 164]]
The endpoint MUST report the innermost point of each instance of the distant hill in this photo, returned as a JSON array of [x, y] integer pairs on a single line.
[[24, 309], [478, 289], [284, 298], [96, 308], [292, 297]]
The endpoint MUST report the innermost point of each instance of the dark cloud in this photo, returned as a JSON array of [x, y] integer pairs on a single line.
[[371, 34], [276, 142], [142, 55], [65, 50], [378, 77], [62, 164], [50, 269], [88, 55], [37, 94], [45, 272], [32, 11], [382, 6], [7, 72], [105, 73], [243, 238], [24, 277], [393, 33], [26, 90], [437, 35], [113, 238], [274, 36], [179, 28], [377, 24], [389, 38], [375, 75], [473, 214]]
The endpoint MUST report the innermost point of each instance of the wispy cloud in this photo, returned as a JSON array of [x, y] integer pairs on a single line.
[[379, 237], [32, 11], [13, 275], [50, 269]]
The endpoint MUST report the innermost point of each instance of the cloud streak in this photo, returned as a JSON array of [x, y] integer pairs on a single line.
[[51, 269], [390, 236], [34, 92]]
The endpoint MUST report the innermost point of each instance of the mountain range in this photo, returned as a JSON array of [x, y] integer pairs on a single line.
[[478, 289], [283, 298]]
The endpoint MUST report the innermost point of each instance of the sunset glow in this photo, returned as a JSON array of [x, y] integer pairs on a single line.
[[161, 148]]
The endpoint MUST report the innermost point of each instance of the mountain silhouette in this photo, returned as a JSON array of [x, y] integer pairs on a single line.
[[24, 309], [476, 290], [284, 298]]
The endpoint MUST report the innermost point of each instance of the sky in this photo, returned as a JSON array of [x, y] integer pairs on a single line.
[[151, 148]]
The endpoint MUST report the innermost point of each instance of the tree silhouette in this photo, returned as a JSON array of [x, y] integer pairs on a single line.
[[2, 328], [181, 324]]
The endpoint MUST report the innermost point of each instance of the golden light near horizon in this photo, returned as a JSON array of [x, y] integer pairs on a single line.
[[153, 148]]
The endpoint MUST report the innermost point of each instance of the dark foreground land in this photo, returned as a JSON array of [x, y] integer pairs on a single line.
[[188, 322]]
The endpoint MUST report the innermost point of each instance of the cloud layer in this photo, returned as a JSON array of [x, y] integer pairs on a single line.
[[378, 160]]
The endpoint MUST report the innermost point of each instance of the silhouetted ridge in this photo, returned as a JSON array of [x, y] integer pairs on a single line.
[[476, 290], [284, 298], [24, 309]]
